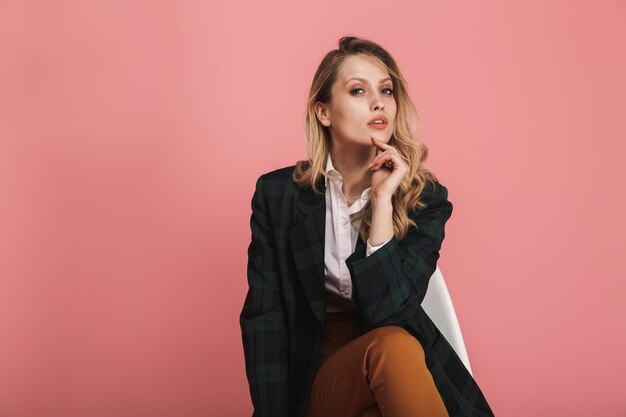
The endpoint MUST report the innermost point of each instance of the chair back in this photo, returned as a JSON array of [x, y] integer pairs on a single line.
[[438, 305]]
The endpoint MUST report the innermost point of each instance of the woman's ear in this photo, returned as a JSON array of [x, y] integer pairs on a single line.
[[321, 110]]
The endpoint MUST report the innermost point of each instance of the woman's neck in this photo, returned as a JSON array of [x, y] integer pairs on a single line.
[[353, 166]]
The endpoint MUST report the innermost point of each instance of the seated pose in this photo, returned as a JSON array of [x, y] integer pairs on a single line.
[[343, 247]]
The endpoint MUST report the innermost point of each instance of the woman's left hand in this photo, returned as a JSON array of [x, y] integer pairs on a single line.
[[386, 180]]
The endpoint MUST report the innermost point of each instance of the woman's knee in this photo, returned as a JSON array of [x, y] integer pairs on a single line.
[[395, 338]]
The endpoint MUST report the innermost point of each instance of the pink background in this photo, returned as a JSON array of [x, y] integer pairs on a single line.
[[131, 136]]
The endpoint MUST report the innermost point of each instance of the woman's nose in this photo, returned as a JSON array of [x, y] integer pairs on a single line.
[[378, 104]]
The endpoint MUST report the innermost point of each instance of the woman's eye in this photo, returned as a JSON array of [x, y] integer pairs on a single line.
[[357, 89]]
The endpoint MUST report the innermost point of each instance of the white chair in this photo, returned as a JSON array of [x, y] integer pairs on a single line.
[[438, 305]]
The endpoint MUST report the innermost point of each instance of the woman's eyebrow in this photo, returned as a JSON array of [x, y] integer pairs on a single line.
[[365, 81]]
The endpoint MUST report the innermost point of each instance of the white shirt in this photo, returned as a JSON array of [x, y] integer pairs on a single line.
[[340, 243]]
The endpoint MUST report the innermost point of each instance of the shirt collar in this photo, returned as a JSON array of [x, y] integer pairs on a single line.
[[330, 168]]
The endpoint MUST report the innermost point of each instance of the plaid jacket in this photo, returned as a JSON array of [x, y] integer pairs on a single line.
[[283, 316]]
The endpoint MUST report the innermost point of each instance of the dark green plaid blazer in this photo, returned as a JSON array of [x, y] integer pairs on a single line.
[[283, 316]]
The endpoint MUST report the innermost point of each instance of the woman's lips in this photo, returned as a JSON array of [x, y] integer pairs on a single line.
[[378, 126]]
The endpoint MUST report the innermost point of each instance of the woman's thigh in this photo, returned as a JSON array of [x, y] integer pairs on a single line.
[[383, 370], [341, 386]]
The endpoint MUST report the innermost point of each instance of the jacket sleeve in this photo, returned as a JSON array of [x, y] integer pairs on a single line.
[[389, 285], [369, 249], [262, 319]]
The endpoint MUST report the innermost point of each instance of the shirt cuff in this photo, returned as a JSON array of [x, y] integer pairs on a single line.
[[371, 249]]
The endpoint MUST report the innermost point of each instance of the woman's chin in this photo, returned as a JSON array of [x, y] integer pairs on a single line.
[[383, 137]]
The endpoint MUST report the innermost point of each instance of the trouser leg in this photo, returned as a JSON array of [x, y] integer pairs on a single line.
[[373, 411], [382, 370]]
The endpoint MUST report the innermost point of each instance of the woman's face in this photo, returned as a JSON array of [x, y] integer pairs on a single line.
[[362, 91]]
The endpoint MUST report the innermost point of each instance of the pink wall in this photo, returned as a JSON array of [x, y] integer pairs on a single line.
[[131, 134]]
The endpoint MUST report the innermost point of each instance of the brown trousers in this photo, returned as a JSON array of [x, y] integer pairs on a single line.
[[380, 373]]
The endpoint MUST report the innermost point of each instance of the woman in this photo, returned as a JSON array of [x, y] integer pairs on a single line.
[[343, 246]]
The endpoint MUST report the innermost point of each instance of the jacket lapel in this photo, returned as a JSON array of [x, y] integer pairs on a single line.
[[307, 241]]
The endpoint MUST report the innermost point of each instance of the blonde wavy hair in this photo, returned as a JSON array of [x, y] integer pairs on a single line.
[[412, 151]]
